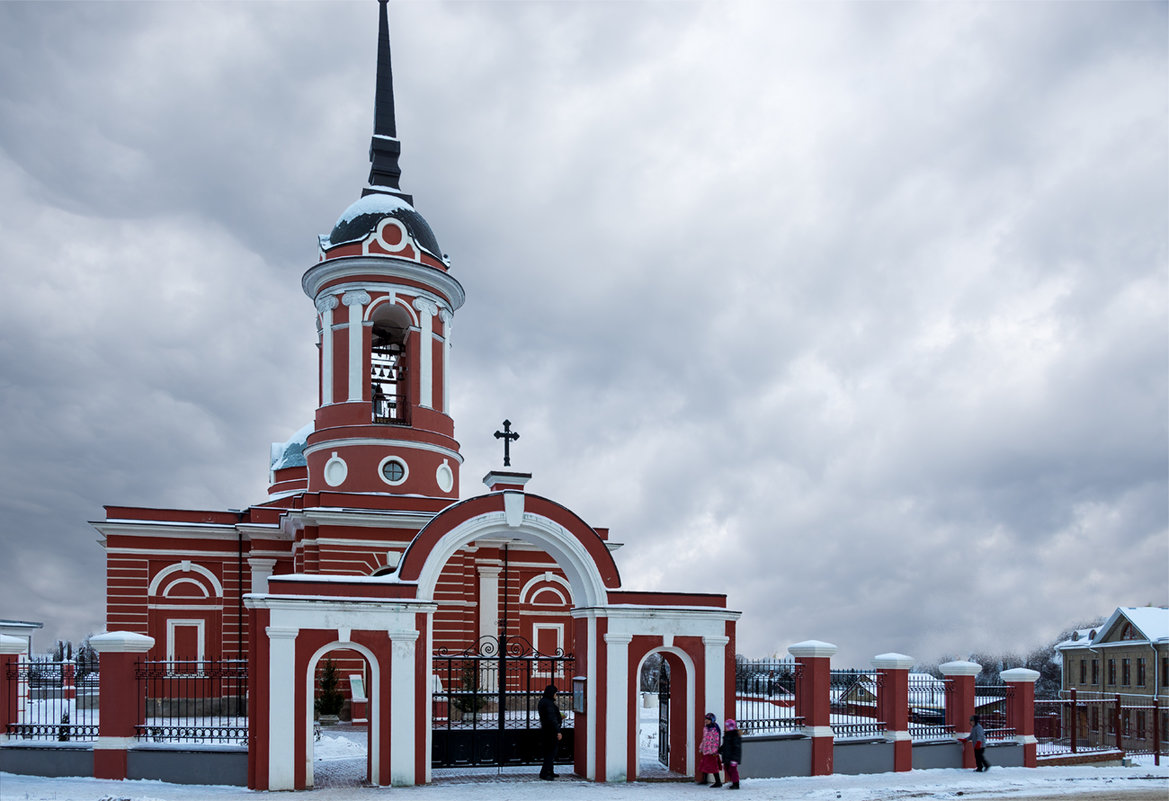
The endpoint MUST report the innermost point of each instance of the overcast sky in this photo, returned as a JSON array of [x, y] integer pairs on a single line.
[[855, 312]]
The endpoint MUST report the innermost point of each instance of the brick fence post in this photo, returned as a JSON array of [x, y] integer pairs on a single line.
[[10, 650], [893, 705], [1021, 710], [118, 707], [960, 702], [814, 699]]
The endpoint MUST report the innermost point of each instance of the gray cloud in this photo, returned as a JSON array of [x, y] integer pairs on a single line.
[[855, 312]]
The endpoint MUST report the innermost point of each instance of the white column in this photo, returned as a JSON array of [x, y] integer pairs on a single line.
[[617, 707], [356, 301], [325, 306], [261, 571], [426, 311], [591, 705], [447, 324], [489, 600], [714, 655], [282, 723], [402, 703]]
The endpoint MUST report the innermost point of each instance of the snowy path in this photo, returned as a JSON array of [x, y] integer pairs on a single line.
[[1141, 782]]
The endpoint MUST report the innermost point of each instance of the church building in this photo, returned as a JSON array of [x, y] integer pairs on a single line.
[[364, 554]]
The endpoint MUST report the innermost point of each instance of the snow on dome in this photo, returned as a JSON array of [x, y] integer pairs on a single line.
[[362, 218], [291, 453]]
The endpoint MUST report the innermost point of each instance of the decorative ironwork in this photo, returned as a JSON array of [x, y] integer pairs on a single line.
[[193, 701], [55, 700], [767, 694], [853, 710], [485, 701]]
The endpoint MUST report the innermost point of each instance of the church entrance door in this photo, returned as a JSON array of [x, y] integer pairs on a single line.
[[485, 700]]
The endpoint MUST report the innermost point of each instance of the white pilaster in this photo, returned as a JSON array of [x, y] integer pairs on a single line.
[[447, 324], [281, 703], [617, 707], [325, 306], [402, 703], [426, 311], [261, 572], [714, 655], [489, 600], [356, 300]]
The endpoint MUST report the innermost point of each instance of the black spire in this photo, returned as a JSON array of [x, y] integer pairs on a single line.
[[384, 148]]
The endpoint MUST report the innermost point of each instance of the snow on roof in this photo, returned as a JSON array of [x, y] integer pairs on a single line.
[[291, 453], [1152, 621]]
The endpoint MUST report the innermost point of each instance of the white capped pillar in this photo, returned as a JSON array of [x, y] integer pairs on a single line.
[[356, 300], [426, 311], [281, 705]]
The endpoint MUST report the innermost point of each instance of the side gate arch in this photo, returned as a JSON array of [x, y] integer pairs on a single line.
[[683, 709], [373, 751]]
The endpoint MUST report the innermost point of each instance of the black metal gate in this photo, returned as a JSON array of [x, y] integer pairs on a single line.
[[485, 700], [664, 714]]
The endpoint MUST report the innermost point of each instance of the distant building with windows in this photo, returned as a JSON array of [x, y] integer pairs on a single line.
[[1127, 654]]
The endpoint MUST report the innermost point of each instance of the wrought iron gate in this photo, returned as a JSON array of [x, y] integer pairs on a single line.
[[664, 714], [468, 727]]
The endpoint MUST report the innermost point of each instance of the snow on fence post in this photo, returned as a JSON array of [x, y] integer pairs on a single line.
[[1021, 710], [118, 707], [10, 650], [960, 702], [893, 705], [814, 699]]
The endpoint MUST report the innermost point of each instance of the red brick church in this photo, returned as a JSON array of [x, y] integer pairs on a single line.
[[364, 553]]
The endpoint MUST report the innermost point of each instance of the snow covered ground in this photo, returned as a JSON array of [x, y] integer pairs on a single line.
[[1141, 781], [343, 752]]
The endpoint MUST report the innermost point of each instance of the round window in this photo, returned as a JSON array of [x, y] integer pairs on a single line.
[[393, 470]]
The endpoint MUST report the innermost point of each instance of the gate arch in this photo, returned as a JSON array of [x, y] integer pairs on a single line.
[[683, 709], [373, 750]]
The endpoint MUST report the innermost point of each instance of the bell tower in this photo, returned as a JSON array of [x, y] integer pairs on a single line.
[[385, 304]]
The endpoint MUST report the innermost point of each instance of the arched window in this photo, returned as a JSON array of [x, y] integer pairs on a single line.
[[391, 326]]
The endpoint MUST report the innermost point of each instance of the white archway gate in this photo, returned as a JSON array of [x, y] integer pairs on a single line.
[[391, 617]]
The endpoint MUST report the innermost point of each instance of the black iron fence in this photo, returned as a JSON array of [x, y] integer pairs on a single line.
[[765, 695], [53, 701], [853, 696], [202, 701], [990, 704], [928, 698]]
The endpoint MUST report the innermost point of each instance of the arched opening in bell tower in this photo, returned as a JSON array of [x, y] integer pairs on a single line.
[[388, 384]]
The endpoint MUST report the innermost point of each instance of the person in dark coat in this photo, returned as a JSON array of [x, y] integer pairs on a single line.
[[732, 753], [550, 722]]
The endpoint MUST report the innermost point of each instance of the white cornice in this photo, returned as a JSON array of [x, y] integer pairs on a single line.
[[332, 443], [351, 266], [637, 611], [321, 516]]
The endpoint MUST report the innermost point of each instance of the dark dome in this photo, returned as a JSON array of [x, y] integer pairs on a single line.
[[362, 218]]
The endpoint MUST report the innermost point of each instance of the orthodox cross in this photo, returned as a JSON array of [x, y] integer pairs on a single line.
[[508, 436]]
